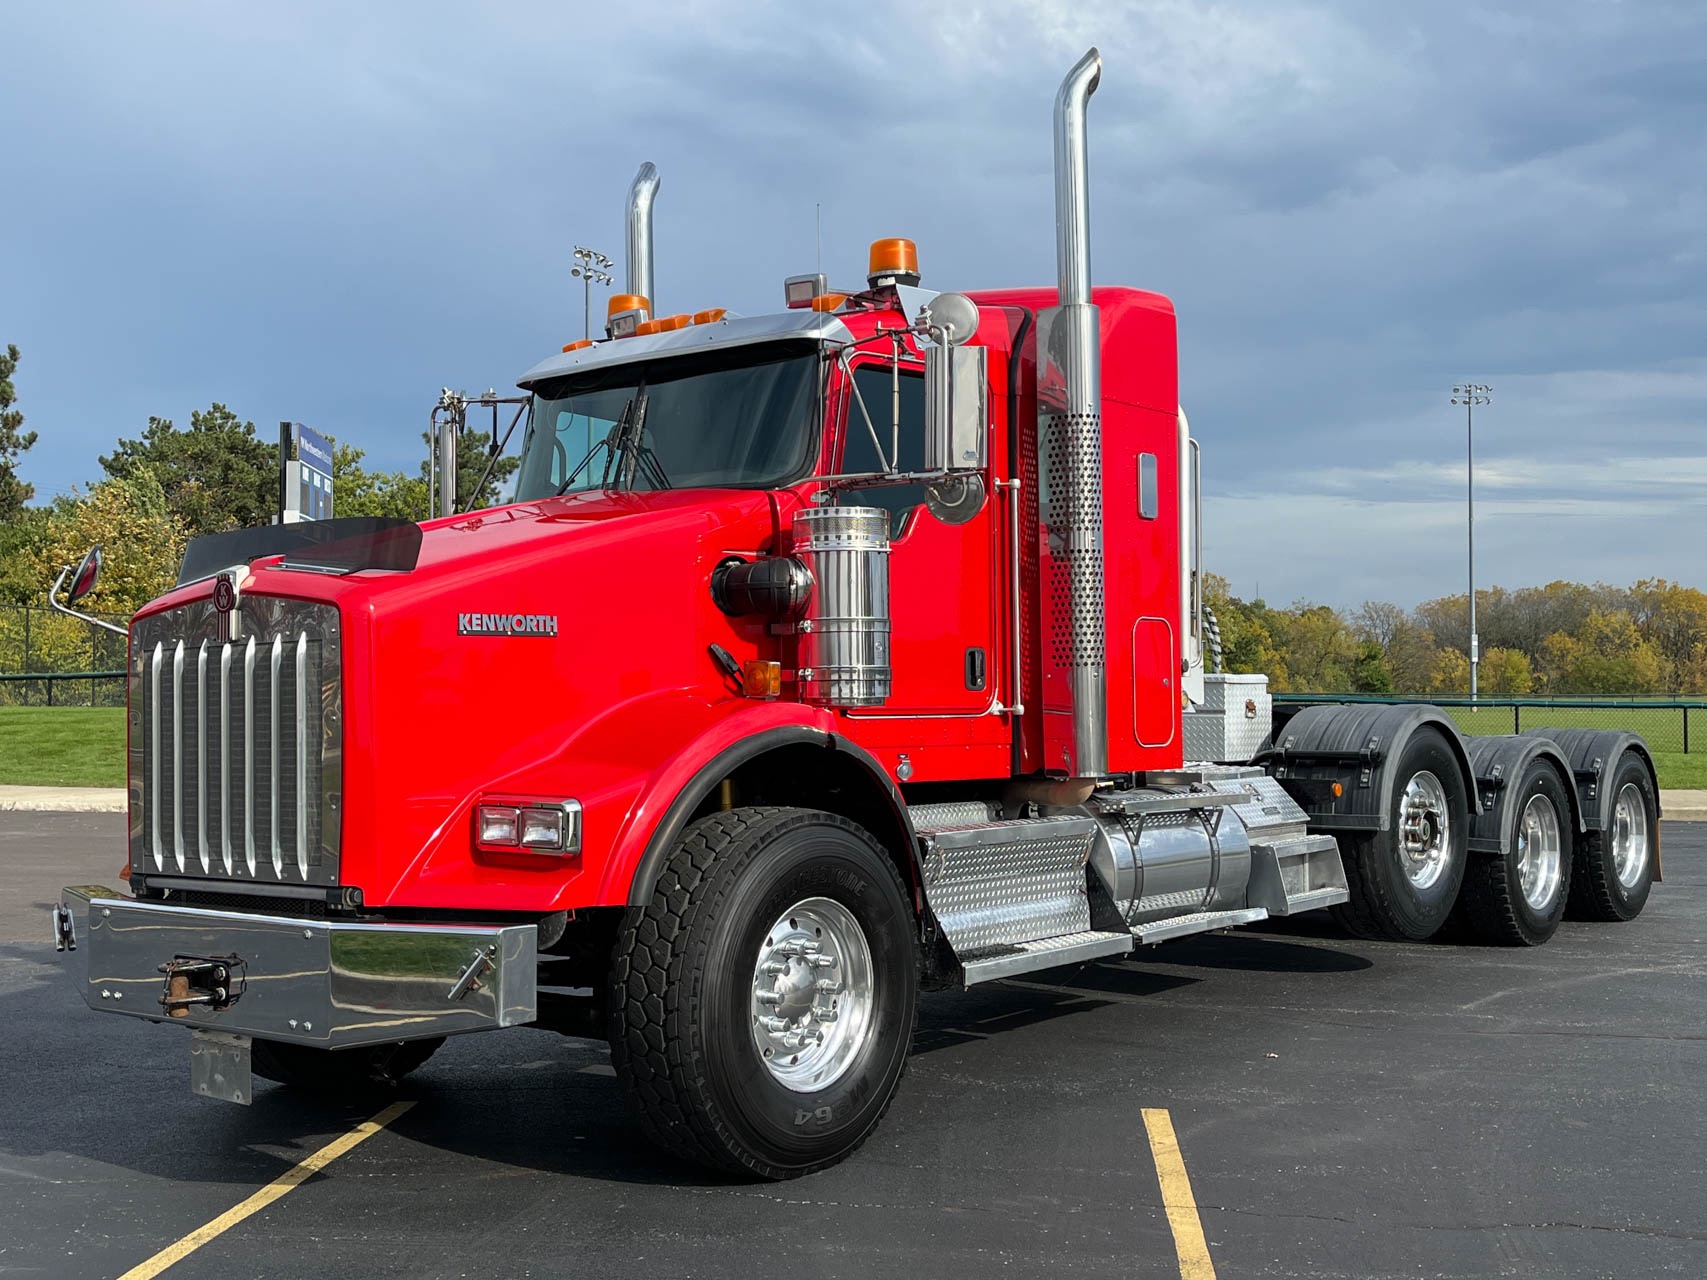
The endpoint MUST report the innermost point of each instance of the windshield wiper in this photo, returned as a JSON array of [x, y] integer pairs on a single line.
[[603, 442], [632, 453]]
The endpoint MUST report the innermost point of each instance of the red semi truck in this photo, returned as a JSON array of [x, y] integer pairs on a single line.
[[821, 657]]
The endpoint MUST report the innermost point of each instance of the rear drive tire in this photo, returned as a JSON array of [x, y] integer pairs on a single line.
[[762, 1003], [1517, 898], [339, 1071], [1615, 868], [1404, 880]]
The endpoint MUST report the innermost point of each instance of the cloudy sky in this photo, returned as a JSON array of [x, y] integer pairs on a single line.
[[327, 212]]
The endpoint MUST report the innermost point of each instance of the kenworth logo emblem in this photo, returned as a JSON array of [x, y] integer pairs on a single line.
[[506, 624]]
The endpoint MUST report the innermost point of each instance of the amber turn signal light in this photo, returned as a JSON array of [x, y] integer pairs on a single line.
[[761, 679]]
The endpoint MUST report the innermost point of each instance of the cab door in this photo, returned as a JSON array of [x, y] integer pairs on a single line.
[[941, 576]]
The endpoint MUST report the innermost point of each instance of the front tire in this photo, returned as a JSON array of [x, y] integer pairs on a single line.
[[1404, 880], [1615, 868], [1517, 898], [763, 1001]]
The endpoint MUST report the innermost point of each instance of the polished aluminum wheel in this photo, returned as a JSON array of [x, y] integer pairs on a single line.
[[1629, 836], [1540, 854], [813, 995], [1425, 830]]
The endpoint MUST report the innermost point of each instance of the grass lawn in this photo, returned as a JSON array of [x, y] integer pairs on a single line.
[[1677, 770], [62, 746], [84, 746]]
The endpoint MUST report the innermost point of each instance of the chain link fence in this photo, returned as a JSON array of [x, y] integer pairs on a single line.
[[50, 660], [1677, 725]]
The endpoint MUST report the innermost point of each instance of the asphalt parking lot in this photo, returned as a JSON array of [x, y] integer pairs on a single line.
[[1343, 1108]]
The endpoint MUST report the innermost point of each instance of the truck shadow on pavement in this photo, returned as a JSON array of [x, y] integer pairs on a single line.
[[115, 1091]]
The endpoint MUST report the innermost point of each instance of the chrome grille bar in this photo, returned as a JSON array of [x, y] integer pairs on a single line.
[[225, 757], [178, 755], [157, 846], [273, 754], [301, 704], [201, 756], [249, 753]]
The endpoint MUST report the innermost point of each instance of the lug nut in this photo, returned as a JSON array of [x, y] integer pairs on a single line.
[[768, 997], [774, 967], [829, 986], [776, 1026]]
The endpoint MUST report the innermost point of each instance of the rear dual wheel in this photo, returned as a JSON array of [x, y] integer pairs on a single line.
[[1517, 898], [1404, 880], [1614, 868]]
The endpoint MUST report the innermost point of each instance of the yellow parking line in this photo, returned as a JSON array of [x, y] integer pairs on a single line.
[[1189, 1245], [285, 1182]]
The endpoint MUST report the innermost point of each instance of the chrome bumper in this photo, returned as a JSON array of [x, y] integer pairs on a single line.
[[311, 982]]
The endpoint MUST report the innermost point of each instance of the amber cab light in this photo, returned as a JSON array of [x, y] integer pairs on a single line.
[[711, 315], [576, 345], [893, 261]]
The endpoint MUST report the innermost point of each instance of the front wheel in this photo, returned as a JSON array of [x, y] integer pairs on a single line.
[[763, 1001], [1615, 867], [1404, 880]]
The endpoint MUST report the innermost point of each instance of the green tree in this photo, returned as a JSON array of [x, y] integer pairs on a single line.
[[217, 475], [142, 541], [1505, 671], [1248, 643], [1369, 673], [14, 442]]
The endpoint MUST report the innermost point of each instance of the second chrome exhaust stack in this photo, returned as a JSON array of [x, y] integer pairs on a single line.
[[641, 193], [1069, 412]]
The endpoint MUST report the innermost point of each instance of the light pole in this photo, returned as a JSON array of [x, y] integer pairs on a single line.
[[1471, 394], [590, 268]]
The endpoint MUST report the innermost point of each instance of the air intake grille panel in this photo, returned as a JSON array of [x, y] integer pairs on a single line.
[[235, 743]]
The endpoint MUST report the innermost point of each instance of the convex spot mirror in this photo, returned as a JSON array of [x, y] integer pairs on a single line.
[[956, 387], [88, 573]]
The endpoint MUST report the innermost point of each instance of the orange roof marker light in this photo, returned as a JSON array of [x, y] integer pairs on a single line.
[[625, 313], [828, 301], [893, 261], [576, 345], [711, 315], [663, 324]]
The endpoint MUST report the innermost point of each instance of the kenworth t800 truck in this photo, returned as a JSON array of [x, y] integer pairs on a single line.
[[820, 657]]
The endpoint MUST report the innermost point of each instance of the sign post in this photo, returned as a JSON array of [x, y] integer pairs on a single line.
[[305, 474]]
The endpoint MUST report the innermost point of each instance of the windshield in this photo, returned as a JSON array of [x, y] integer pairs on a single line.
[[734, 419]]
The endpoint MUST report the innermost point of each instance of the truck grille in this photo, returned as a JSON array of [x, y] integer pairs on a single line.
[[235, 744]]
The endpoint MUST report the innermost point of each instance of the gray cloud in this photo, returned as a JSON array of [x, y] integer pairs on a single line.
[[326, 213]]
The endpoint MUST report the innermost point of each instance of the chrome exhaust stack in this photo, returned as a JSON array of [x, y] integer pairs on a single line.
[[641, 193], [1069, 413]]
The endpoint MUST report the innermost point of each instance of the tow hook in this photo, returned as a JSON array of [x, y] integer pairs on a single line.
[[216, 981], [64, 928], [484, 958]]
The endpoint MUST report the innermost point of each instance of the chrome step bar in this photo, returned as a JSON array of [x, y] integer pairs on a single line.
[[1027, 957], [1196, 922]]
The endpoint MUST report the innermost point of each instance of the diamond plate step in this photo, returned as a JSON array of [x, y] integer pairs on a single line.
[[1004, 883], [1050, 953], [1197, 922]]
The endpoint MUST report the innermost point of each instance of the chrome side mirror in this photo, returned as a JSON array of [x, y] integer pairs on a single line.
[[85, 576], [956, 393]]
